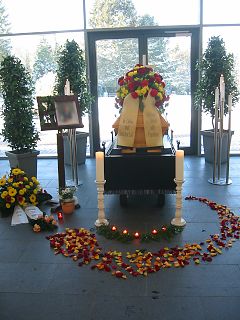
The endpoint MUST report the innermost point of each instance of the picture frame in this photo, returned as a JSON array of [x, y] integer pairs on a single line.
[[67, 112], [59, 112]]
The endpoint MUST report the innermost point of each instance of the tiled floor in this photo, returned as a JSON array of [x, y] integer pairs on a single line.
[[35, 284]]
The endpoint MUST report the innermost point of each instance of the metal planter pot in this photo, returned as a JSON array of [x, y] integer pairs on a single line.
[[208, 145], [25, 161]]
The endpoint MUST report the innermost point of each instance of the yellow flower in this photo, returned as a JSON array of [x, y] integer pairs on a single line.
[[32, 198], [27, 186], [35, 191], [30, 183], [2, 181], [160, 95], [10, 180], [12, 192], [4, 194], [36, 228], [21, 192], [25, 178], [34, 179], [15, 184], [144, 90], [16, 171], [8, 205], [130, 74], [12, 199]]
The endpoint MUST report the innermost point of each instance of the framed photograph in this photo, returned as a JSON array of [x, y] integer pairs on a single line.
[[59, 112], [67, 112], [47, 113]]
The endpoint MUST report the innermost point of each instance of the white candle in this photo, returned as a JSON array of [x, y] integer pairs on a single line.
[[144, 60], [179, 165], [67, 88], [216, 102], [216, 97], [230, 102], [99, 166], [222, 88]]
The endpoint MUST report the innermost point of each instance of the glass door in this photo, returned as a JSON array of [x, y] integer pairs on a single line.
[[172, 53], [171, 57]]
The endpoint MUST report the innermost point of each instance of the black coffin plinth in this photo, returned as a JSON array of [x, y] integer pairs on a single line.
[[139, 173]]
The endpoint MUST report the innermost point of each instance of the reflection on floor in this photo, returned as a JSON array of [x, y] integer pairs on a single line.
[[35, 284]]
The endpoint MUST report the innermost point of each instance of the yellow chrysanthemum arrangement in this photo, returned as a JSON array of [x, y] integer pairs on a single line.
[[17, 189]]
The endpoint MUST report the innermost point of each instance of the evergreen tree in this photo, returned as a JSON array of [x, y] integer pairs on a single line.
[[122, 54], [71, 65], [113, 13], [5, 44], [45, 60]]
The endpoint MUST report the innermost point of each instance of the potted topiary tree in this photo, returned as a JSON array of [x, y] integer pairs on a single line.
[[18, 130], [214, 63], [71, 65]]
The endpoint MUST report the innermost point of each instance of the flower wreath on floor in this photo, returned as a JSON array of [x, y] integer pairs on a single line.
[[20, 194], [81, 245]]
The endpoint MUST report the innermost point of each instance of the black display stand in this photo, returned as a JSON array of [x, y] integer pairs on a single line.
[[58, 113]]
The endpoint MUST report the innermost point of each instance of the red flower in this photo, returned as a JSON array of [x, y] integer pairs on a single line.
[[153, 92], [142, 70], [120, 80], [19, 198], [128, 78], [156, 75], [8, 199], [134, 95], [131, 86], [144, 83], [158, 79]]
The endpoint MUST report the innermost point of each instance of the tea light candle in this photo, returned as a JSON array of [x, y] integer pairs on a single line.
[[154, 231], [179, 164], [60, 216], [125, 231], [114, 228], [99, 166], [136, 235]]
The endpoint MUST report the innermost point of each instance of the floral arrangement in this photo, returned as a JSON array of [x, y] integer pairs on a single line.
[[67, 192], [43, 223], [17, 189], [139, 82]]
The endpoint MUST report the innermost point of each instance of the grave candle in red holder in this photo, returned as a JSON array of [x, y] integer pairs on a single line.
[[60, 215], [136, 235]]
